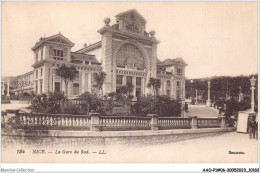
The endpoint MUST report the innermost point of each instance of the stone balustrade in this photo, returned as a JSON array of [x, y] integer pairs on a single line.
[[54, 121], [125, 123], [96, 122], [174, 123], [209, 122]]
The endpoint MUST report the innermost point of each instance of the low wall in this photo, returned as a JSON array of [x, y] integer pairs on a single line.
[[88, 138]]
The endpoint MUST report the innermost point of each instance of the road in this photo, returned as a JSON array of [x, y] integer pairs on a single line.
[[201, 111]]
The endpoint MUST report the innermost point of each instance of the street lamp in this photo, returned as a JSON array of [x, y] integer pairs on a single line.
[[253, 81], [208, 101]]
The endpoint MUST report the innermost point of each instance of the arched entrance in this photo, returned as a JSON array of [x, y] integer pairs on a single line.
[[130, 65]]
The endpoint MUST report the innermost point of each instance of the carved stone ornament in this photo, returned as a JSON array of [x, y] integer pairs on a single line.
[[107, 21]]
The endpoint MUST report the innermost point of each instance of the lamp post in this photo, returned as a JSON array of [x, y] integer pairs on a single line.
[[252, 81], [208, 104]]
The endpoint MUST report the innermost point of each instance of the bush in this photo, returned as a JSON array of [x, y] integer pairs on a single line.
[[161, 105], [48, 104], [91, 101]]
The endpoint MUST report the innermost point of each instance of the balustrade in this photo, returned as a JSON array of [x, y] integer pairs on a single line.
[[95, 122], [209, 122], [125, 122], [54, 120], [174, 123]]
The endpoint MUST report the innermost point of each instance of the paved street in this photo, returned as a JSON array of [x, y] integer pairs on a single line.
[[213, 149], [201, 111]]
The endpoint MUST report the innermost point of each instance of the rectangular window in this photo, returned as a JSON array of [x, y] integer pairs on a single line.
[[129, 79], [41, 72], [178, 83], [179, 71], [36, 87], [58, 53], [138, 81], [75, 89], [77, 74], [41, 54], [57, 87], [119, 79]]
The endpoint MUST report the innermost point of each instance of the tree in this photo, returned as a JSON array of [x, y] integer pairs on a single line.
[[67, 74], [127, 89], [100, 78], [155, 84]]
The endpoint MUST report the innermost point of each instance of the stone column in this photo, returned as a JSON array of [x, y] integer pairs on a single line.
[[94, 122], [89, 82], [208, 104], [196, 102], [194, 122], [154, 121], [252, 81], [107, 57]]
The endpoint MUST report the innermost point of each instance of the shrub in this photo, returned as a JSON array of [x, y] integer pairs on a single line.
[[90, 101], [48, 104], [161, 105]]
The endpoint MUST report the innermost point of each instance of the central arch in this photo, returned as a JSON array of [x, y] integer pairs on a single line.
[[136, 60]]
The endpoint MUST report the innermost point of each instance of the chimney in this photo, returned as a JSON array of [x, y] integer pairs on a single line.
[[85, 45]]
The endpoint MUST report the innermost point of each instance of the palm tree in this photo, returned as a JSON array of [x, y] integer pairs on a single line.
[[67, 74], [100, 78], [155, 84]]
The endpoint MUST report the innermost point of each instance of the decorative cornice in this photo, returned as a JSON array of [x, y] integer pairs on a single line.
[[128, 34], [44, 40]]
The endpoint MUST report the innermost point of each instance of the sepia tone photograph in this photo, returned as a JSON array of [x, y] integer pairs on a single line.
[[129, 82]]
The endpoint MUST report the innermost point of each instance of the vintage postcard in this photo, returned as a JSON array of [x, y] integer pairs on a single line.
[[129, 82]]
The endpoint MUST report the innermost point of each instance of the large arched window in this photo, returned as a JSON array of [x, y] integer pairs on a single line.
[[130, 56]]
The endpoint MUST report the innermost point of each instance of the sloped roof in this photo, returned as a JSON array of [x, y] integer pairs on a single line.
[[59, 36], [170, 62], [84, 57]]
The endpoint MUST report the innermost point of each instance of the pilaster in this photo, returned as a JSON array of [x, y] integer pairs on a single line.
[[107, 60]]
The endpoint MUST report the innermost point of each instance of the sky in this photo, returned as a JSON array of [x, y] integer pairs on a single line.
[[213, 38]]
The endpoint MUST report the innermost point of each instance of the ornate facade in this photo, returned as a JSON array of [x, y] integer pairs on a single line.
[[127, 53]]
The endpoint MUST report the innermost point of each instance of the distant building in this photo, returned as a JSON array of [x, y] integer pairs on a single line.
[[126, 53]]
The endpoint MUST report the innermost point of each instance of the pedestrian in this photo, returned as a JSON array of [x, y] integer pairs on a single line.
[[252, 127]]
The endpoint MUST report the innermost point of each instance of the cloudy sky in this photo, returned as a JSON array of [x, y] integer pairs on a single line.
[[214, 38]]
